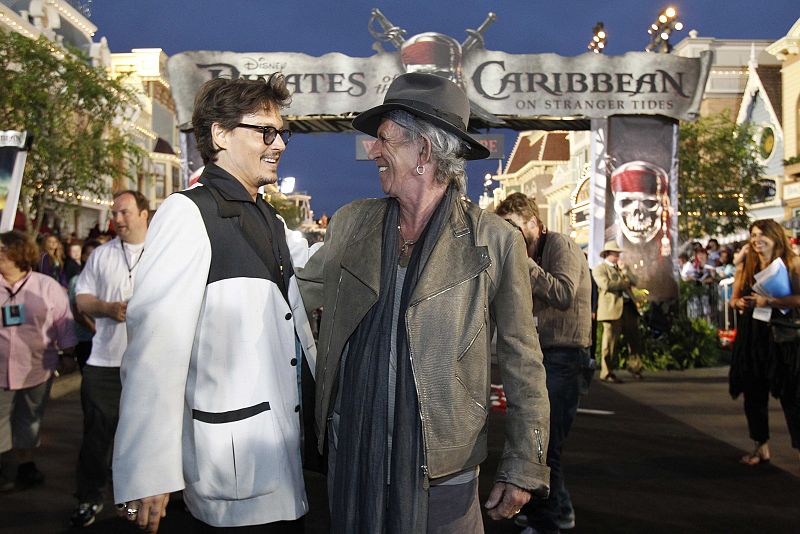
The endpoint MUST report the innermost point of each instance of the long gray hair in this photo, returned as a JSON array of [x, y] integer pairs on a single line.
[[446, 148]]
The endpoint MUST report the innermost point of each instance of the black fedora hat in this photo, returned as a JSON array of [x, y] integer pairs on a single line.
[[432, 98]]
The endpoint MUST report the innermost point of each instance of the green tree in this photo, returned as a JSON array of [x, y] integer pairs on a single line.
[[719, 174], [74, 112]]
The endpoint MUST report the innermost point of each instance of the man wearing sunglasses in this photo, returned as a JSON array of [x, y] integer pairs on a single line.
[[210, 401]]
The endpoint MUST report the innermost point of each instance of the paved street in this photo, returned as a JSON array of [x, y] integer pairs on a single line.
[[664, 461]]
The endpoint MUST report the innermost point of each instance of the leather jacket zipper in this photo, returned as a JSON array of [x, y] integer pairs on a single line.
[[426, 483], [539, 446], [426, 478], [328, 348], [451, 286]]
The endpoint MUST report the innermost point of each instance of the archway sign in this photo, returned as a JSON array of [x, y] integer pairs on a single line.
[[608, 94]]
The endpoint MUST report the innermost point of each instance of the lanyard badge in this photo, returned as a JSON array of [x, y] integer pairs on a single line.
[[13, 314]]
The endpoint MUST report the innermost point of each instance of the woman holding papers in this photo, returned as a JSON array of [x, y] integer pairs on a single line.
[[768, 282]]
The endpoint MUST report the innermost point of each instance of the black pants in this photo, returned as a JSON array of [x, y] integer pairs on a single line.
[[756, 409], [279, 527], [82, 352], [100, 393]]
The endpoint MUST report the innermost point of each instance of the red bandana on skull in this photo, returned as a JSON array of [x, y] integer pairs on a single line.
[[641, 203]]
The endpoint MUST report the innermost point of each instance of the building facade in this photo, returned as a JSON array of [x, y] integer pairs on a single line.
[[761, 108], [531, 169], [729, 69], [64, 25], [786, 50], [155, 125]]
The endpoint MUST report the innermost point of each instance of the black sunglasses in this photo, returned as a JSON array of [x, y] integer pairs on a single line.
[[270, 133]]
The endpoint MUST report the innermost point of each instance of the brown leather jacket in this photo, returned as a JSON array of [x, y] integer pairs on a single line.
[[476, 278]]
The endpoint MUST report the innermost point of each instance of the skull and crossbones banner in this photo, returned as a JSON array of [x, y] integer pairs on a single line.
[[638, 199]]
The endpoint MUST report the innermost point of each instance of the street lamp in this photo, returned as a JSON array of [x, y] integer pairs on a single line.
[[287, 185], [661, 29], [598, 42], [486, 200]]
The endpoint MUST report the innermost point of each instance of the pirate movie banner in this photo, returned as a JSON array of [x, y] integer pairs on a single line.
[[506, 85], [589, 85], [635, 199], [13, 153]]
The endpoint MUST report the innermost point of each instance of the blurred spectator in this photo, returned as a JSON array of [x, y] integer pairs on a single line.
[[705, 272], [725, 266], [37, 323], [84, 323], [712, 247], [686, 267], [51, 261], [72, 261], [95, 232]]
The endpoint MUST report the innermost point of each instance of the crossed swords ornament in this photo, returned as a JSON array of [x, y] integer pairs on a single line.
[[434, 53]]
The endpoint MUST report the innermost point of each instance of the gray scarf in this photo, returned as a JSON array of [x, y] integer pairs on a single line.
[[361, 501]]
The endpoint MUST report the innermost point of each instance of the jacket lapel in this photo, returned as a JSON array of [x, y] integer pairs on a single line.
[[230, 196], [364, 254], [453, 260]]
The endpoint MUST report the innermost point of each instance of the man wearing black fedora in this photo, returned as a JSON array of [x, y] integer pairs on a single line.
[[413, 286]]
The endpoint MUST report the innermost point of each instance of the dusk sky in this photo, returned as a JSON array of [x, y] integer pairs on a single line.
[[324, 164]]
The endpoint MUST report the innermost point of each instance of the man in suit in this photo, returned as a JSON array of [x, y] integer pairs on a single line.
[[617, 311], [210, 402]]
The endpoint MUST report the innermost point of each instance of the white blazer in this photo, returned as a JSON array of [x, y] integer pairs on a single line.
[[210, 385]]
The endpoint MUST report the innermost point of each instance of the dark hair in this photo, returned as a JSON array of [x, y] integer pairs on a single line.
[[141, 201], [683, 256], [225, 101], [21, 249], [90, 243], [519, 204]]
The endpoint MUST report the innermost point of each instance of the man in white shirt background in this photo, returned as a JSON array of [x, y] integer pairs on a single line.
[[103, 290]]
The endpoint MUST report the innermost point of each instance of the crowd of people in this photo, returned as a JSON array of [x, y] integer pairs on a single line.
[[710, 270], [201, 374]]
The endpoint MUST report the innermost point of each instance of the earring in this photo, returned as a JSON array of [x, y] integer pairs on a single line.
[[420, 170]]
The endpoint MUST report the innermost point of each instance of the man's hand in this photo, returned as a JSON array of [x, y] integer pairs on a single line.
[[151, 510], [116, 310], [506, 500]]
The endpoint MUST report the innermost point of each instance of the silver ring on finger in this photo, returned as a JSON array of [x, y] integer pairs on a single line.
[[132, 513]]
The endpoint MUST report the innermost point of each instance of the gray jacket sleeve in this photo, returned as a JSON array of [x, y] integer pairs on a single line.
[[558, 285], [520, 358]]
